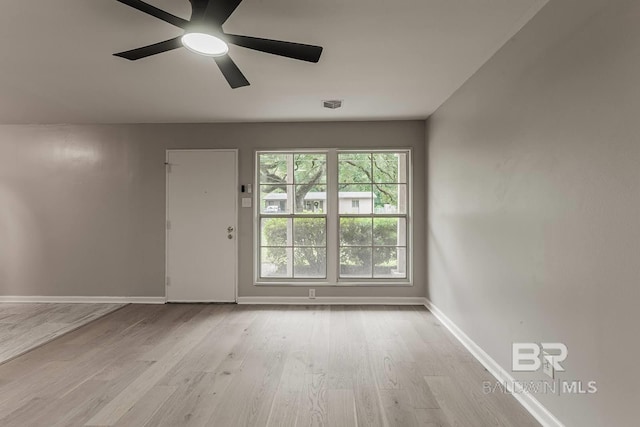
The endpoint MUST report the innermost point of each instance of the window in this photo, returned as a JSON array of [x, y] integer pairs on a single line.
[[293, 223], [373, 237], [333, 217]]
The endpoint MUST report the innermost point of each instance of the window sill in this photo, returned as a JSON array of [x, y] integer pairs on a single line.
[[396, 284]]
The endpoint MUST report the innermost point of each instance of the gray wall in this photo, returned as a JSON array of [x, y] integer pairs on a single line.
[[82, 208], [534, 202]]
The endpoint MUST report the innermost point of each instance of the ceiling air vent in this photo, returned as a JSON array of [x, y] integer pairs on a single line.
[[332, 103]]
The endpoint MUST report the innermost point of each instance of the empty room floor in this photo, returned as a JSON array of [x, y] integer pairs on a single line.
[[236, 365]]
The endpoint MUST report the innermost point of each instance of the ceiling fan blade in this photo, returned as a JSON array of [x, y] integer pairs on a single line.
[[231, 72], [303, 52], [153, 49], [155, 12], [219, 11]]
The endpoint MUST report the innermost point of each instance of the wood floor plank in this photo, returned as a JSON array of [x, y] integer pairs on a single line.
[[143, 411], [49, 408], [189, 404], [260, 400], [78, 415], [250, 396], [418, 391], [312, 410], [290, 393], [209, 352], [431, 418], [501, 407], [397, 408], [340, 362], [341, 408], [288, 397], [423, 353], [459, 407], [368, 406], [319, 351], [122, 403], [27, 326]]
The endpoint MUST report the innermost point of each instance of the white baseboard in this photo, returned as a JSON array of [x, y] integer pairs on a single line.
[[530, 403], [333, 300], [81, 299]]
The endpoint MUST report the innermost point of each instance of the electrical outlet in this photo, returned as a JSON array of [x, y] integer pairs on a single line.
[[312, 293], [547, 364]]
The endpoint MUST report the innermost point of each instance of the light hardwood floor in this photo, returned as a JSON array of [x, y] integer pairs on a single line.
[[25, 326], [229, 365]]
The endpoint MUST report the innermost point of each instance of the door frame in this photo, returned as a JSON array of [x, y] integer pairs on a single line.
[[167, 166]]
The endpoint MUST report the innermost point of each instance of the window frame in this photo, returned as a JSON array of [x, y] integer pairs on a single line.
[[332, 216]]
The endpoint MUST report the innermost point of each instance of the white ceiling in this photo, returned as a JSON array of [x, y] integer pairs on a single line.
[[388, 59]]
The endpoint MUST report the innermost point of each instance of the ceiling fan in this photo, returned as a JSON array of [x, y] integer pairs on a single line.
[[204, 35]]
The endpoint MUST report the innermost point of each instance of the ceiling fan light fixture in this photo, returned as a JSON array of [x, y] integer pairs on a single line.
[[203, 35], [205, 44]]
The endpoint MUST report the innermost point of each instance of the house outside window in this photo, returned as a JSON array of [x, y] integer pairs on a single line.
[[333, 217]]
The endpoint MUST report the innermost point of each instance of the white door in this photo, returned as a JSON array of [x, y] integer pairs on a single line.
[[201, 225]]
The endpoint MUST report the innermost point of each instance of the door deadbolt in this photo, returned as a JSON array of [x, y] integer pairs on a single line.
[[230, 229]]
